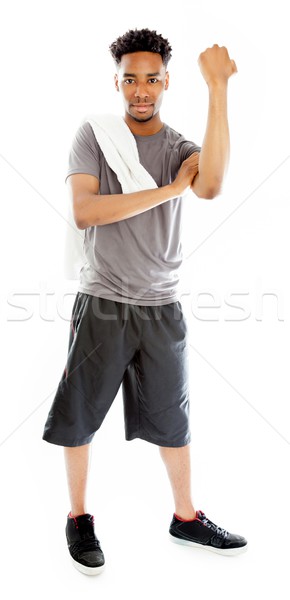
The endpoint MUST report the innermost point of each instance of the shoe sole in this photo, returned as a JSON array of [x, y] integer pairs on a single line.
[[224, 552], [87, 570]]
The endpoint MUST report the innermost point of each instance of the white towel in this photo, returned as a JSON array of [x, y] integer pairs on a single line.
[[121, 153]]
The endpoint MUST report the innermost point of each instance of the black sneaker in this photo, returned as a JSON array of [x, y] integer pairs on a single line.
[[83, 545], [203, 533]]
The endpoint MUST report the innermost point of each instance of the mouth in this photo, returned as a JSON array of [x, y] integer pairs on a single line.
[[142, 108]]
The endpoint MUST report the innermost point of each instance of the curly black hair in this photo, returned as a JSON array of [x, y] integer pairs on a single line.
[[140, 40]]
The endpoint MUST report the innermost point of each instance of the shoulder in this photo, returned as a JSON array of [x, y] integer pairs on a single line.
[[85, 136], [180, 143], [172, 133]]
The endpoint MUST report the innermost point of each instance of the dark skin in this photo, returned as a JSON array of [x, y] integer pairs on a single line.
[[142, 79]]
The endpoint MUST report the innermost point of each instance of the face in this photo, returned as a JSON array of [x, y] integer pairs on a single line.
[[142, 79]]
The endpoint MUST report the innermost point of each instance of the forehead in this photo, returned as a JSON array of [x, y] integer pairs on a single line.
[[141, 63]]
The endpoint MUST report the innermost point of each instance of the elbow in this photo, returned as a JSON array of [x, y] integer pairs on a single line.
[[84, 217], [81, 225], [209, 193], [205, 189], [212, 193], [79, 221], [213, 189]]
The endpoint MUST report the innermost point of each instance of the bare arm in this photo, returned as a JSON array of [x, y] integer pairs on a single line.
[[91, 208], [216, 68]]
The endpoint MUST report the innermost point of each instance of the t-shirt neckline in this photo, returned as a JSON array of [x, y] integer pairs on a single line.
[[153, 136]]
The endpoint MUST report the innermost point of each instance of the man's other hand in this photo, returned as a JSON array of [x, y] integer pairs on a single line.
[[186, 174]]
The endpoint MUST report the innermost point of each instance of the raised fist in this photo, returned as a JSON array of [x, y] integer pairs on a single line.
[[216, 65]]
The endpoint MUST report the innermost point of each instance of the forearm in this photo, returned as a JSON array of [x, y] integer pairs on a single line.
[[98, 209], [214, 154]]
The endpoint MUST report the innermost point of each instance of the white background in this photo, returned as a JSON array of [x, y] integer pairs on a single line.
[[55, 68]]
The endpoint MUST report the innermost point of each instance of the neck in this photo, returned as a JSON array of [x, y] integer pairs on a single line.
[[146, 127]]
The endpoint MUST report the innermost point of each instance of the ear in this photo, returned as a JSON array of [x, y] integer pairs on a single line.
[[116, 82], [166, 80]]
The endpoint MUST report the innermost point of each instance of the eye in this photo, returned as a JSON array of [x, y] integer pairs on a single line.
[[129, 81], [153, 80]]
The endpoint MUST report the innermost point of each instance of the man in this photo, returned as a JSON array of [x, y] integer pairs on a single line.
[[127, 325]]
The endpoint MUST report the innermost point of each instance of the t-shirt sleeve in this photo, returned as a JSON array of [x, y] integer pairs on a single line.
[[84, 156], [187, 149]]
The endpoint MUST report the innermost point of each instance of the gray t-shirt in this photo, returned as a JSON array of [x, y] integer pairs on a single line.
[[135, 260]]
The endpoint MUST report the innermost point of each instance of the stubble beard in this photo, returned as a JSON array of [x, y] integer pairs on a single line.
[[145, 120], [141, 119]]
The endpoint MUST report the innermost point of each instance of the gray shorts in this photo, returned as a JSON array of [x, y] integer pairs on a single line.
[[144, 348]]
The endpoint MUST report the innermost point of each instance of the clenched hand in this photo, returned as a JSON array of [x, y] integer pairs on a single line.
[[216, 65]]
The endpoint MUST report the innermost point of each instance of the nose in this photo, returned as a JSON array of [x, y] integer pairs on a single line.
[[141, 91]]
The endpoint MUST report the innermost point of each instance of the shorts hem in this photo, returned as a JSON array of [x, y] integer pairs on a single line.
[[68, 443], [165, 444]]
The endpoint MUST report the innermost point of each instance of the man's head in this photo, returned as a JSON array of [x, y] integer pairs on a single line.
[[141, 58], [140, 40]]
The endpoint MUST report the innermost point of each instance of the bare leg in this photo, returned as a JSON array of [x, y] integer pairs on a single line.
[[177, 462], [77, 461]]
